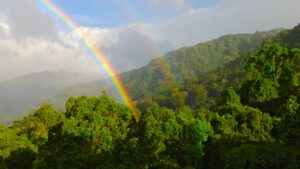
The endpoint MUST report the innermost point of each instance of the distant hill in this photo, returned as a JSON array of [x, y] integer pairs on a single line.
[[94, 88], [175, 67], [22, 94]]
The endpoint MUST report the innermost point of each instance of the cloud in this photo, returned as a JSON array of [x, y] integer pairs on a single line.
[[27, 44], [226, 16], [27, 55], [134, 49], [125, 48], [178, 4], [4, 30], [26, 20]]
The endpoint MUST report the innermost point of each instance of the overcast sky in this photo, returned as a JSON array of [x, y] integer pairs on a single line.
[[130, 33]]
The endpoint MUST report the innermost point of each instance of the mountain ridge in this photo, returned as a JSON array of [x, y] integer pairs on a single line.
[[147, 80], [148, 77], [24, 93]]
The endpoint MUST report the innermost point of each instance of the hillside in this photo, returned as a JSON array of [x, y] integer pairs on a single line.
[[290, 38], [94, 88], [23, 94], [175, 67], [233, 74]]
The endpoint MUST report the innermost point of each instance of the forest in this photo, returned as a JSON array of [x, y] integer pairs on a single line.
[[244, 114]]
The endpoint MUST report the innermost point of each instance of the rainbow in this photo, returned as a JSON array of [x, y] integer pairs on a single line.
[[97, 53]]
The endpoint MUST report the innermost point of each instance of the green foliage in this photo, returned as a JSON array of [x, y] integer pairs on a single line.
[[202, 131], [35, 126], [271, 72], [290, 38], [261, 156], [197, 96], [168, 138], [243, 122], [229, 96], [264, 70], [92, 128], [15, 151], [290, 109]]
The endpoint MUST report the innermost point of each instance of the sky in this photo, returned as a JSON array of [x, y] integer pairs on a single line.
[[114, 13], [129, 32]]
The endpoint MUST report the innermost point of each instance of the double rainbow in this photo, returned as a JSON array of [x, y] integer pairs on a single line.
[[97, 53]]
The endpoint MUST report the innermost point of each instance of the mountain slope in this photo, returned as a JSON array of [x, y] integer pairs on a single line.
[[232, 74], [176, 67], [95, 88], [22, 94], [290, 38]]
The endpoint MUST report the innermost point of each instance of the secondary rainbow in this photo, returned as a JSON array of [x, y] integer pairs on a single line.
[[98, 54]]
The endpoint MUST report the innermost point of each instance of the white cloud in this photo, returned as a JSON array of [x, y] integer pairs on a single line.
[[103, 36], [4, 29], [226, 16], [29, 55]]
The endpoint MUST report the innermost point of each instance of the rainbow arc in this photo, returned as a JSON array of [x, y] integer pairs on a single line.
[[97, 53]]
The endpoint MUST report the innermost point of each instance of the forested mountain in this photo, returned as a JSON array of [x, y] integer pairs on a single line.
[[190, 63], [20, 95], [232, 74], [186, 64], [251, 120]]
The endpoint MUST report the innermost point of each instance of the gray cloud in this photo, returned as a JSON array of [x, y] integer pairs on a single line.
[[134, 49], [27, 20]]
